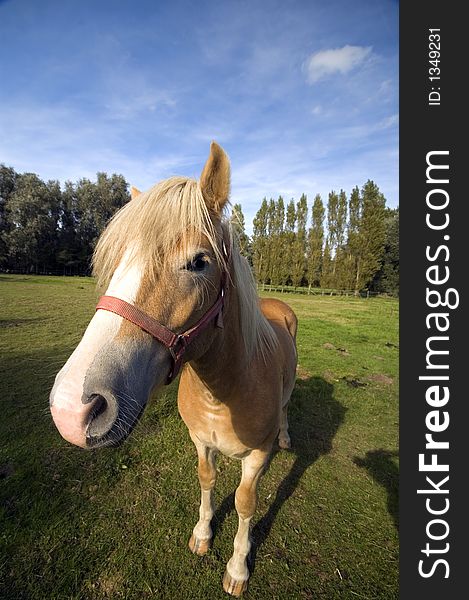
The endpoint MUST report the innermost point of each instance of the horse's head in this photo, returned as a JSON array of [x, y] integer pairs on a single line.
[[163, 252]]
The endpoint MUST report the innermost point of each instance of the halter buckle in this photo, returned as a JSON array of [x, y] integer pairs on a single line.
[[178, 347]]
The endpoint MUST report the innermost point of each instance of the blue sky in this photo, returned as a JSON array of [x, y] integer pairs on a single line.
[[303, 96]]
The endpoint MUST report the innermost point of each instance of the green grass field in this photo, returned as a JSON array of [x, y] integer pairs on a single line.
[[115, 523]]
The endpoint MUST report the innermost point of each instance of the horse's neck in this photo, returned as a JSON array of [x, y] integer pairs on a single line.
[[223, 363]]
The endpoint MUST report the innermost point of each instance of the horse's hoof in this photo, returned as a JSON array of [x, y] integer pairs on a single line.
[[199, 547], [233, 586], [284, 442]]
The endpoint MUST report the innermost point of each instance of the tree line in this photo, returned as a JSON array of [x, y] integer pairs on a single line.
[[47, 229], [353, 245]]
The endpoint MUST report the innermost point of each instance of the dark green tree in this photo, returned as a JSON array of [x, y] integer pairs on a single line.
[[386, 280], [32, 212], [371, 234], [94, 204], [8, 179], [69, 254]]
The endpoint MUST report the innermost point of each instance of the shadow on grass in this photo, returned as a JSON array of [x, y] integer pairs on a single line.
[[384, 471], [18, 322], [314, 417], [44, 498]]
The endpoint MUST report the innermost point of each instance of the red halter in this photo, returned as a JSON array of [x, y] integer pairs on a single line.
[[175, 342]]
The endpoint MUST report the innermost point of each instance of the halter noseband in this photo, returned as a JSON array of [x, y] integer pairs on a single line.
[[176, 343]]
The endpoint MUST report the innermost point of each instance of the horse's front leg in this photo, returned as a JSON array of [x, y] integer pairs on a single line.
[[201, 538], [235, 581]]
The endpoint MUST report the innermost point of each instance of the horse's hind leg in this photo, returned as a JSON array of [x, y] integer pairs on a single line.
[[201, 538], [283, 436], [236, 576]]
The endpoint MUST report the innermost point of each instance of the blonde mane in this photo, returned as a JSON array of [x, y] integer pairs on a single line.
[[171, 215]]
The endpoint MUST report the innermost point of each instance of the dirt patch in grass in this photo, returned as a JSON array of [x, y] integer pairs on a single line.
[[381, 378], [302, 373], [18, 322], [329, 346], [354, 382], [108, 586], [329, 376]]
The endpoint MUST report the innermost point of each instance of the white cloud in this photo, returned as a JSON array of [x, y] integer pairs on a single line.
[[390, 121], [337, 60]]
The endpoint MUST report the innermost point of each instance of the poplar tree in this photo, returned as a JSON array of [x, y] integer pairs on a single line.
[[326, 272], [270, 253], [341, 218], [340, 258], [332, 207], [276, 242], [353, 237], [288, 243], [316, 241], [238, 224], [332, 203], [299, 246], [371, 234], [259, 242]]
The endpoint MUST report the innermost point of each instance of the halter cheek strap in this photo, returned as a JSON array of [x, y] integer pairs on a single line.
[[176, 343]]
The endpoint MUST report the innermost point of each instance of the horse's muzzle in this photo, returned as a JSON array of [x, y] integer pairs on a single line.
[[112, 418], [101, 406]]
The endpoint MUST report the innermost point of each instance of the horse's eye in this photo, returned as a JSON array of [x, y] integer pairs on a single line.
[[198, 263]]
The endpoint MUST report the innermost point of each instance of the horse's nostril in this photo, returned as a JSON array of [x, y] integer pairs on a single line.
[[100, 405], [102, 416]]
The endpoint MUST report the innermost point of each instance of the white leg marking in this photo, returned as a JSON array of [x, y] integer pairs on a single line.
[[202, 532], [246, 501]]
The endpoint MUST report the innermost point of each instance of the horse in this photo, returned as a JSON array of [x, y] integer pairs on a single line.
[[180, 297]]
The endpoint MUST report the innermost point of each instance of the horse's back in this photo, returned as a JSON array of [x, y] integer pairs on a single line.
[[278, 312]]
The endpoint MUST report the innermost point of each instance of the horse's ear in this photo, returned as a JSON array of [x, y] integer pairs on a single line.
[[134, 192], [215, 179]]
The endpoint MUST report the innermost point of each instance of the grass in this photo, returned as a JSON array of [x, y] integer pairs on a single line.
[[115, 523]]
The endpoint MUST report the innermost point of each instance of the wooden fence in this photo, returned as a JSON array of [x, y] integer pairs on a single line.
[[288, 289]]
